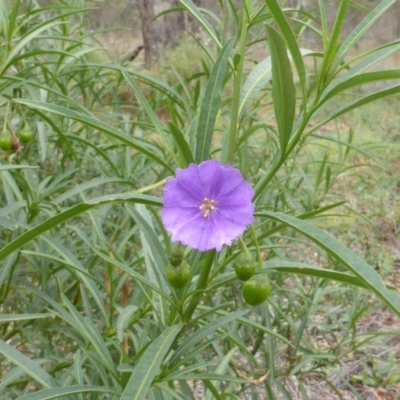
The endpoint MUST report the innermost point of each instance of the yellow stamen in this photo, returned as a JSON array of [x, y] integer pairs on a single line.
[[207, 206]]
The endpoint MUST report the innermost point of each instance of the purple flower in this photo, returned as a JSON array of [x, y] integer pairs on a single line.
[[207, 205]]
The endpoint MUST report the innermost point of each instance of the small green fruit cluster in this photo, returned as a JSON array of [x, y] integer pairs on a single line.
[[8, 141], [256, 289], [178, 271]]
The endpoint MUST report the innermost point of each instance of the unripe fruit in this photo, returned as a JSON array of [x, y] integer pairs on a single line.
[[5, 141], [176, 255], [245, 265], [25, 134], [179, 276], [256, 290]]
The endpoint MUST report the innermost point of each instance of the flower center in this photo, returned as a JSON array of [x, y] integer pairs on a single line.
[[207, 206]]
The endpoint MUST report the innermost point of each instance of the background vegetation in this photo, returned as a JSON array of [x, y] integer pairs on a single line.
[[86, 310]]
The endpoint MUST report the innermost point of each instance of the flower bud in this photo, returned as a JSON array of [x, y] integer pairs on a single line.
[[176, 255]]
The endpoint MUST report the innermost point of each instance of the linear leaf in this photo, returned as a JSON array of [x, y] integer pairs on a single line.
[[311, 270], [8, 167], [283, 90], [56, 393], [361, 79], [380, 94], [191, 341], [188, 4], [30, 367], [149, 365], [364, 272], [92, 335], [96, 124], [73, 212], [211, 103], [24, 317], [291, 42], [362, 28], [257, 80], [149, 111], [131, 272], [155, 258], [185, 154], [335, 34]]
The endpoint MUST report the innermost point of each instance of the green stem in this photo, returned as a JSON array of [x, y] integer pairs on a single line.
[[229, 149], [281, 158], [201, 286], [256, 245]]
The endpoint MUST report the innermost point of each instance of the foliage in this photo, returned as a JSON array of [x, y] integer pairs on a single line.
[[86, 308]]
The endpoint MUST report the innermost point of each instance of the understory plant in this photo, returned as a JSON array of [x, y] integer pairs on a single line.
[[172, 246]]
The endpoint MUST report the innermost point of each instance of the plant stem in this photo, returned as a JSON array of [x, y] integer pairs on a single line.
[[256, 245], [229, 148], [279, 159], [201, 286]]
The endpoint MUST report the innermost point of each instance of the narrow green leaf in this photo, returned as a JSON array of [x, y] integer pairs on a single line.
[[369, 59], [185, 154], [358, 80], [311, 270], [257, 80], [91, 335], [90, 184], [157, 84], [24, 317], [214, 377], [196, 14], [149, 111], [30, 367], [145, 281], [335, 34], [380, 94], [211, 103], [291, 43], [57, 393], [220, 370], [149, 365], [8, 167], [157, 249], [125, 315], [191, 341], [73, 212], [361, 29], [283, 90], [96, 124], [364, 272], [155, 259]]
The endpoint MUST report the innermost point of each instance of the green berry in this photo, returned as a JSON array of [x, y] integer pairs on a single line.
[[25, 134], [5, 141], [256, 290], [245, 265], [179, 276], [176, 255]]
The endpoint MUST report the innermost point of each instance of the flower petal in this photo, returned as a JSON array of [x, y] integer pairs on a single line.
[[185, 194]]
